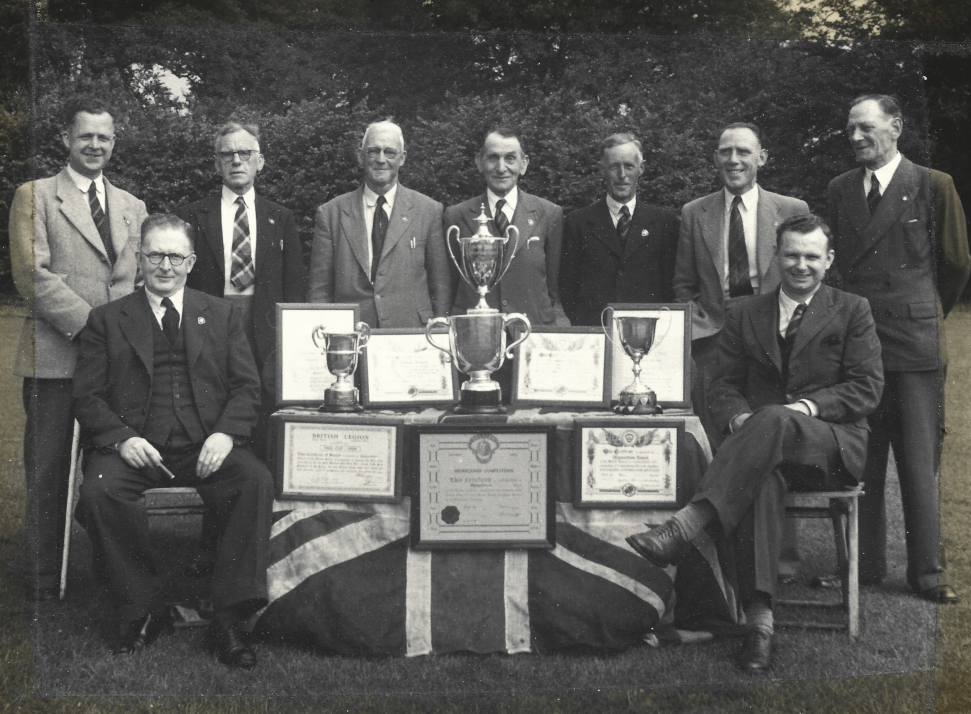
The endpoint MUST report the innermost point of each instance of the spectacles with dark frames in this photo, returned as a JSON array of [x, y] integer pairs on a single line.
[[374, 153], [174, 258], [244, 155]]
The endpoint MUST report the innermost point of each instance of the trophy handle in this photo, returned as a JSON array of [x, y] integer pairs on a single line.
[[513, 317], [320, 335], [428, 333], [667, 329], [511, 230], [448, 244], [363, 335], [607, 331]]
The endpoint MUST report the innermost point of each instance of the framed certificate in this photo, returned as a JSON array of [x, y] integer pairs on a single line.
[[562, 366], [400, 369], [666, 366], [301, 368], [628, 463], [325, 458], [483, 488]]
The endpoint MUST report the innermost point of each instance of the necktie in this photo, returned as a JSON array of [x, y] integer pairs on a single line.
[[170, 321], [242, 273], [623, 223], [873, 198], [379, 228], [793, 326], [502, 223], [739, 282], [100, 221]]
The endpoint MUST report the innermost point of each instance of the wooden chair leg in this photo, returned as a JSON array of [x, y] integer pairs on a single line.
[[853, 570]]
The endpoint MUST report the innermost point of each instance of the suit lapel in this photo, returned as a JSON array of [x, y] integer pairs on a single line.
[[895, 200], [712, 230], [75, 208], [266, 233], [765, 323], [195, 327], [355, 229], [211, 220], [524, 218], [766, 221], [136, 325], [400, 219], [854, 199], [819, 312], [638, 233], [601, 225], [119, 221]]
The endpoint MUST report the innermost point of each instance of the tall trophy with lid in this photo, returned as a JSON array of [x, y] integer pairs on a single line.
[[477, 340]]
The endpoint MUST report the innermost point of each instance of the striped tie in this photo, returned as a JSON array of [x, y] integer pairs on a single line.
[[100, 221], [243, 273], [623, 223], [873, 198], [794, 321], [502, 223]]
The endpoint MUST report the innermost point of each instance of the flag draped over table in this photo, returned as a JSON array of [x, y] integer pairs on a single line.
[[344, 579]]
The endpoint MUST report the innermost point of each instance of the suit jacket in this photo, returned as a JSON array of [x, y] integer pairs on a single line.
[[113, 382], [61, 268], [701, 254], [835, 362], [531, 285], [917, 237], [413, 283], [279, 262], [597, 269]]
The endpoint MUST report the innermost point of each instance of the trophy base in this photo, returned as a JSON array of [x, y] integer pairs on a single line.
[[476, 402], [637, 404], [340, 401]]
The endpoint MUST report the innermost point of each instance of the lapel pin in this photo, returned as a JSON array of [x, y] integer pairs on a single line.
[[202, 320], [531, 221], [272, 221], [905, 198], [644, 233], [404, 218]]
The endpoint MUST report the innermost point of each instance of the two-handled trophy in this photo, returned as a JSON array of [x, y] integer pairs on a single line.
[[636, 334], [477, 340], [342, 351]]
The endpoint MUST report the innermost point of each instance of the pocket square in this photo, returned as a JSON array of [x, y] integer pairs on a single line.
[[912, 220]]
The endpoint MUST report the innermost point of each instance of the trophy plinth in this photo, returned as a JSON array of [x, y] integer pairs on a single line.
[[637, 338], [342, 350]]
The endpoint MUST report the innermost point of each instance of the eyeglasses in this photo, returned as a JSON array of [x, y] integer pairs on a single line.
[[244, 155], [375, 153], [174, 258]]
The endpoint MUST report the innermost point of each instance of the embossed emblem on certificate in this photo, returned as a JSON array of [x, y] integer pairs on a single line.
[[483, 488], [629, 464], [562, 367]]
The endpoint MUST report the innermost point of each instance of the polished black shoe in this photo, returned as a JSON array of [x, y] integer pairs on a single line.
[[941, 594], [756, 652], [141, 633], [227, 642], [663, 545]]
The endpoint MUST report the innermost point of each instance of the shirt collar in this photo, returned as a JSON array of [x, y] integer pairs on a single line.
[[230, 196], [511, 199], [614, 206], [885, 173], [155, 301], [84, 183], [371, 198], [750, 199], [789, 305]]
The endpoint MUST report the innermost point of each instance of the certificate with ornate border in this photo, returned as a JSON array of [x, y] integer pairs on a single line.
[[326, 458], [400, 369], [483, 488], [628, 463], [562, 366], [665, 368], [302, 376]]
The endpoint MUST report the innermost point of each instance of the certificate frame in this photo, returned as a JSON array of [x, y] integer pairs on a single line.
[[287, 426], [625, 433], [432, 526], [679, 351], [371, 395], [523, 396], [296, 387]]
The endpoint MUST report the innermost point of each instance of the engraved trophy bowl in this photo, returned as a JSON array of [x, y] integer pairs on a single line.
[[477, 344], [483, 258], [636, 334], [342, 350]]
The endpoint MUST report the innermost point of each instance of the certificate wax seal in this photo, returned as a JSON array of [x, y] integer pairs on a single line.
[[450, 515], [629, 490]]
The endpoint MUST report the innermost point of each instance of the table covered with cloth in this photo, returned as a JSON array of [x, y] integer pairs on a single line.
[[344, 579]]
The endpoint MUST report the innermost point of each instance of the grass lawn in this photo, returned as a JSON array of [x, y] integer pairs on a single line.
[[55, 659]]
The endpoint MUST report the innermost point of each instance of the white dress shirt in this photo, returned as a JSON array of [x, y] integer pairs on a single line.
[[749, 211], [155, 302], [84, 185], [228, 207], [509, 207], [370, 201], [614, 206], [884, 174]]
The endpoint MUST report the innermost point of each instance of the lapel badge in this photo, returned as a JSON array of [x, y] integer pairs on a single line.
[[404, 218], [202, 320], [905, 198], [531, 221], [644, 233], [272, 221]]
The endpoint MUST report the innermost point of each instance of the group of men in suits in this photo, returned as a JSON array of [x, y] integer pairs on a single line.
[[170, 374]]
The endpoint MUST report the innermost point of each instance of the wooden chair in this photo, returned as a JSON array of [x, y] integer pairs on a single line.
[[842, 508]]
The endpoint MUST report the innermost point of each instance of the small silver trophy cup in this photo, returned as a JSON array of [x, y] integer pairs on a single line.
[[477, 340], [342, 350], [636, 334]]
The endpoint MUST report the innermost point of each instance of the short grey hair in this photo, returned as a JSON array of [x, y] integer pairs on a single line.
[[386, 124], [231, 128], [620, 139]]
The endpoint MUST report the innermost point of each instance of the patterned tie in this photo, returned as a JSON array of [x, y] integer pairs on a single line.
[[739, 282], [243, 272], [873, 198], [170, 321], [502, 223], [379, 228], [101, 221], [794, 321], [623, 223]]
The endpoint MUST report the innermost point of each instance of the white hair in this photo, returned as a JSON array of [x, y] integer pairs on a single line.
[[383, 125]]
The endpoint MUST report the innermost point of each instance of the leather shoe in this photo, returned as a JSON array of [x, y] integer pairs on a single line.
[[756, 652], [142, 632], [663, 545], [227, 642], [941, 594]]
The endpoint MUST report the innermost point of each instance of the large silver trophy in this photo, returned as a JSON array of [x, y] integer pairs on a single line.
[[342, 350], [636, 334], [477, 340]]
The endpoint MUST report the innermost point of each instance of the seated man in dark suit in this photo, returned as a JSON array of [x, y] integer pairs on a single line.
[[802, 370], [166, 392]]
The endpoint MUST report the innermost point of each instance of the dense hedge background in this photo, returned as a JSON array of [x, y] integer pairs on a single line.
[[313, 94]]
